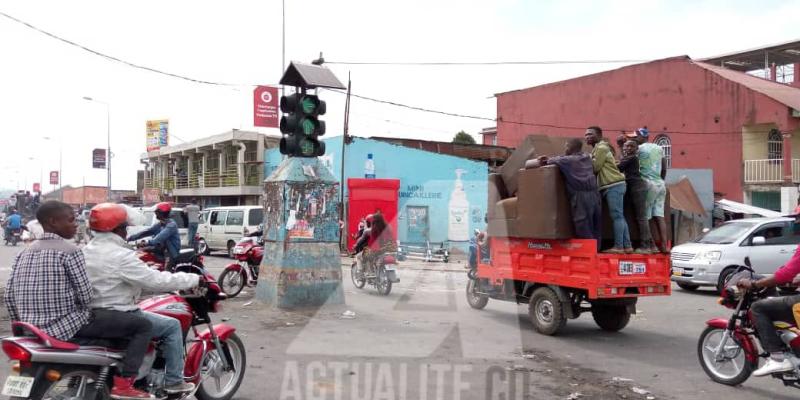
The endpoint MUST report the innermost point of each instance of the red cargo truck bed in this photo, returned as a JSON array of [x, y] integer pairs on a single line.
[[576, 264]]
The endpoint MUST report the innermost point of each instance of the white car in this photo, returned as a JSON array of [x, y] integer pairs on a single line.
[[149, 218], [709, 259]]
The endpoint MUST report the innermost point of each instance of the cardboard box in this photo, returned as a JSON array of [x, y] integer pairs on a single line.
[[531, 147], [542, 207]]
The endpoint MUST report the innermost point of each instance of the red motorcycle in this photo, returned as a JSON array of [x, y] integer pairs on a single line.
[[728, 350], [48, 368], [244, 271]]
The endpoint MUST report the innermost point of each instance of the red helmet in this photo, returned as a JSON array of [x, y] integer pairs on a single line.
[[162, 210], [105, 217]]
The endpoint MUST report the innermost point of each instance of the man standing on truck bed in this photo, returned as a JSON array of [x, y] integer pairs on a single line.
[[576, 166], [612, 186], [653, 168]]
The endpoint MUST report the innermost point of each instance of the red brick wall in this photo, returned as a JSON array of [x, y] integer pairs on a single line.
[[671, 96]]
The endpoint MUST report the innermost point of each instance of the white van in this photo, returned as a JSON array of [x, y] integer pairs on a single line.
[[221, 227]]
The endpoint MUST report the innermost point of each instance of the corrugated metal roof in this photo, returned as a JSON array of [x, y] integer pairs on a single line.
[[759, 58], [785, 94]]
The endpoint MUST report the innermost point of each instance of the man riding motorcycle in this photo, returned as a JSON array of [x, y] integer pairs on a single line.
[[49, 288], [166, 241], [118, 276], [375, 240], [13, 222], [765, 312]]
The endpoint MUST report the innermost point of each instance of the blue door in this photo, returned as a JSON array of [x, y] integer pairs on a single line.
[[417, 224]]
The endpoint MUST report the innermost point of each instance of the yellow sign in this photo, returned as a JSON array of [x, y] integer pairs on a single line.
[[157, 134]]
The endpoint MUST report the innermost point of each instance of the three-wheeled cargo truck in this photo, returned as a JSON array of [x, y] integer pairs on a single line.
[[560, 279]]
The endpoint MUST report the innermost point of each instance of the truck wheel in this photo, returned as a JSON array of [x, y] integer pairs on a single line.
[[610, 318], [546, 311], [475, 300]]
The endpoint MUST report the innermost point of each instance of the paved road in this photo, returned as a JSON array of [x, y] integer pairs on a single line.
[[423, 341]]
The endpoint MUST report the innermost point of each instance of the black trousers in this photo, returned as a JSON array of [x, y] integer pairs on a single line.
[[586, 214], [118, 325], [767, 311]]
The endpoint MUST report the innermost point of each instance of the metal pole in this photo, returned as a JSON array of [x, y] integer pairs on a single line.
[[283, 36], [345, 139], [108, 150]]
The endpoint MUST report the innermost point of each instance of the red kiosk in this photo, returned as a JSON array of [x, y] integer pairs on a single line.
[[366, 196]]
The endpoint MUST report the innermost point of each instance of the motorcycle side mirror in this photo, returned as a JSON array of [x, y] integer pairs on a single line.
[[747, 262]]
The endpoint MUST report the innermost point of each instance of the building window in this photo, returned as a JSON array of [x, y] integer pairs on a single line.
[[494, 140], [666, 146], [775, 145]]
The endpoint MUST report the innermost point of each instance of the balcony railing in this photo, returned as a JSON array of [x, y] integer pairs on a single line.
[[211, 179], [769, 171]]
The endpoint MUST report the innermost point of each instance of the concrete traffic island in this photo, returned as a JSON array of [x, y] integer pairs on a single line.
[[301, 264]]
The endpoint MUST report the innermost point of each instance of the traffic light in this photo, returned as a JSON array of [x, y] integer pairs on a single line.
[[301, 126]]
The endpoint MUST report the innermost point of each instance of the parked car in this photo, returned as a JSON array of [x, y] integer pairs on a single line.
[[712, 257], [149, 218], [221, 227]]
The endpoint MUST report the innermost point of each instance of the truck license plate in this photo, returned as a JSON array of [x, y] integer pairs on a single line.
[[632, 268], [18, 386]]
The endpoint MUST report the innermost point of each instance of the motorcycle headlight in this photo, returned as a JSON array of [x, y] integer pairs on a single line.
[[238, 250], [712, 255]]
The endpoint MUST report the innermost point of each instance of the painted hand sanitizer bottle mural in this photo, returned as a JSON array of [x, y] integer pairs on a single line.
[[458, 224], [369, 167]]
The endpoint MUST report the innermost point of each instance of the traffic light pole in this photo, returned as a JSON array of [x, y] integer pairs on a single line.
[[345, 139]]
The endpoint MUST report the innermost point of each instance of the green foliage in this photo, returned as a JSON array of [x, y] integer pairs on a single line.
[[463, 138]]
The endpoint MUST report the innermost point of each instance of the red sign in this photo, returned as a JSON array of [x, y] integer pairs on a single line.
[[54, 177], [265, 106], [37, 187]]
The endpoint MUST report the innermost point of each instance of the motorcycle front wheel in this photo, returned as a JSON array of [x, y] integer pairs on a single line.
[[232, 281], [732, 368], [357, 275], [216, 383]]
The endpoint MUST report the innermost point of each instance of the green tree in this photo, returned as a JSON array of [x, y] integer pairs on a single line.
[[463, 138]]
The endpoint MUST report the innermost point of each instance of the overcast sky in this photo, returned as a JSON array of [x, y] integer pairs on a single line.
[[42, 80]]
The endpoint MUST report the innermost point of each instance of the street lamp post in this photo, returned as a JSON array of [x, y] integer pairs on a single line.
[[108, 143]]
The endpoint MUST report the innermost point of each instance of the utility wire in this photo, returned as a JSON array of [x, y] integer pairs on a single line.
[[387, 102], [112, 58], [468, 63]]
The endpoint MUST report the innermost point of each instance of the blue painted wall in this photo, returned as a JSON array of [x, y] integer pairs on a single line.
[[426, 179]]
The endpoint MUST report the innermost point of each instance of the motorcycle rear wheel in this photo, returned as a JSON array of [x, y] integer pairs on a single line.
[[382, 283], [734, 357], [68, 386], [232, 282], [210, 385]]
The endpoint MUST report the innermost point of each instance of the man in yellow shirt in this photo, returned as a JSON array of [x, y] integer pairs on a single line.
[[612, 187]]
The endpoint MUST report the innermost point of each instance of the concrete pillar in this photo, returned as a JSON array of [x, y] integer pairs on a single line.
[[301, 266], [240, 165], [189, 169], [222, 166], [787, 157], [773, 72], [203, 170]]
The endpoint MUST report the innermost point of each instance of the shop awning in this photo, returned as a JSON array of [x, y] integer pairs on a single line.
[[683, 197], [739, 208]]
